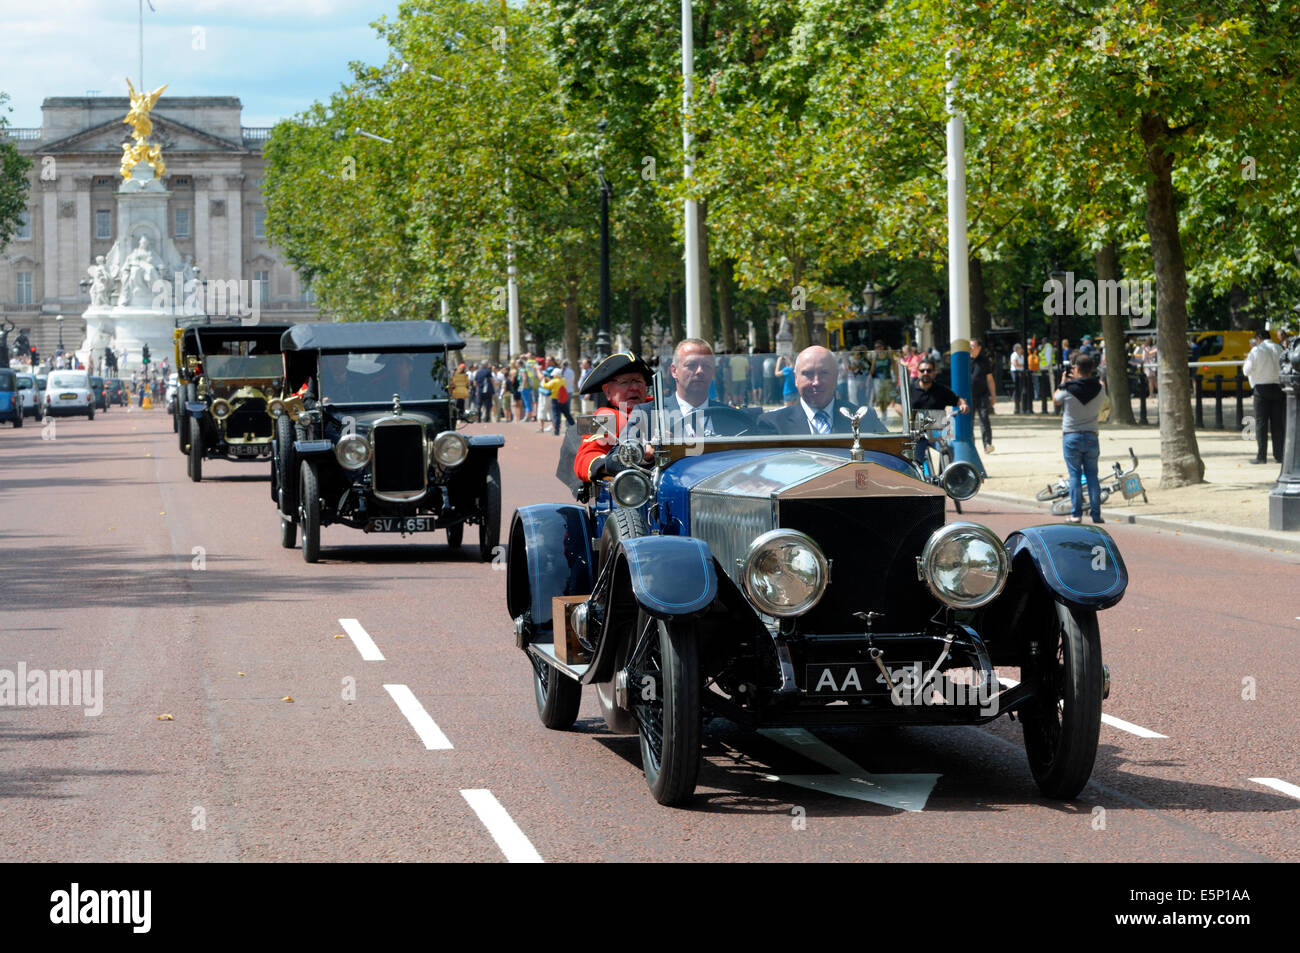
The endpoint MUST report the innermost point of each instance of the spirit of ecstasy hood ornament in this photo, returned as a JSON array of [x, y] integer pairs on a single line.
[[855, 452]]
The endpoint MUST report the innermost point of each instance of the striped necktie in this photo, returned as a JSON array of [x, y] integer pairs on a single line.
[[822, 421]]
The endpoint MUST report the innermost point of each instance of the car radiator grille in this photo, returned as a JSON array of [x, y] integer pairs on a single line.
[[872, 545], [399, 465], [250, 418]]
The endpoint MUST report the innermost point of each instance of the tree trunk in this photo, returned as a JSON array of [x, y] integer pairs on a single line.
[[634, 322], [762, 333], [494, 351], [725, 317], [801, 322], [1239, 309], [979, 314], [1112, 332], [1180, 458], [571, 321], [706, 310], [675, 315]]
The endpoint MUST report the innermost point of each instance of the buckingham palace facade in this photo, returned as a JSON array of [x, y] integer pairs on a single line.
[[215, 212]]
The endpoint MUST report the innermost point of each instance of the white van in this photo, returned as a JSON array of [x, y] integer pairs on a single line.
[[68, 392]]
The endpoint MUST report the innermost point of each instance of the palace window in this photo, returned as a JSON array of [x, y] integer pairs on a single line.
[[103, 224], [24, 232], [264, 277], [24, 287], [259, 222], [182, 229]]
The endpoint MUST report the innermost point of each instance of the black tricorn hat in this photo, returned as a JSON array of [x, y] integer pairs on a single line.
[[615, 366]]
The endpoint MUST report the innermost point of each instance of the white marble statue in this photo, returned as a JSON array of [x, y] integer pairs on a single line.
[[101, 283], [138, 272]]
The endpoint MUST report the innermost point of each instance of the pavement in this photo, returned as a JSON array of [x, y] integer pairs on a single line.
[[1232, 503], [246, 717]]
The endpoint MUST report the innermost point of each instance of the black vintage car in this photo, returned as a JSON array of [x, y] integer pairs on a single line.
[[230, 392], [370, 439], [785, 581]]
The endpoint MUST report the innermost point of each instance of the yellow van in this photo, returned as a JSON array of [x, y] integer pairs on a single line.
[[1213, 346]]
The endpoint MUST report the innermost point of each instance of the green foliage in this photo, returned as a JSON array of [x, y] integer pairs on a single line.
[[13, 182]]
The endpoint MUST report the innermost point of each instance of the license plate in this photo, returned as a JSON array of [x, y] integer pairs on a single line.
[[864, 678], [242, 450], [401, 524], [67, 397]]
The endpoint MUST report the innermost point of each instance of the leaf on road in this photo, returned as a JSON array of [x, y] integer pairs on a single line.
[[287, 698], [165, 717]]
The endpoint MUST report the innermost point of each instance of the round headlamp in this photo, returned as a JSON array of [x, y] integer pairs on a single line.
[[275, 407], [632, 488], [450, 448], [785, 573], [960, 480], [352, 451], [965, 565], [221, 408]]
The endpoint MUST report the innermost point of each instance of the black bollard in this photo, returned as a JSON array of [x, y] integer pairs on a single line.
[[1142, 388], [1047, 388], [1200, 407], [1218, 401], [1241, 387]]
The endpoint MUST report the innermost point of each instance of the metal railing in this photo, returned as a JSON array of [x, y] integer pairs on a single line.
[[255, 133], [22, 133]]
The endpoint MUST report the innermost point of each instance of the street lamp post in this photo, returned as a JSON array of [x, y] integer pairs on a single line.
[[59, 320], [603, 335], [1024, 398]]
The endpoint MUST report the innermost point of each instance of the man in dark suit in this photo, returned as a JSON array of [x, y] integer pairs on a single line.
[[692, 371], [816, 373]]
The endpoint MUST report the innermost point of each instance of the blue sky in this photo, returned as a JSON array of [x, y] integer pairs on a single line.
[[277, 56]]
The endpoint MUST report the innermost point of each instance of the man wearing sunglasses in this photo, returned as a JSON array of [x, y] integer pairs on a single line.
[[928, 394]]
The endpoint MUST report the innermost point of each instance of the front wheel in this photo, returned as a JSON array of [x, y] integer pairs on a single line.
[[558, 696], [489, 527], [664, 692], [288, 533], [1063, 723], [196, 450], [309, 512], [90, 413], [18, 419]]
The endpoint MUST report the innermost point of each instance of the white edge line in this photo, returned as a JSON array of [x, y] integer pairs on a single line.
[[1286, 787], [1111, 720], [362, 640], [512, 841], [425, 727]]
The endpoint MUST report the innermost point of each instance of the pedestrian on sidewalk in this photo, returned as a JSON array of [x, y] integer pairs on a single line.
[[1081, 399], [1263, 368], [1018, 378], [983, 390], [560, 396], [1034, 368]]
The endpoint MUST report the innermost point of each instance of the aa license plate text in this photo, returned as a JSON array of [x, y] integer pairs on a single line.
[[855, 678], [401, 524]]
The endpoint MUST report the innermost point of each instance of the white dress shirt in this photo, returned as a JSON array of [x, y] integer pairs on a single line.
[[687, 409], [1263, 364], [812, 412]]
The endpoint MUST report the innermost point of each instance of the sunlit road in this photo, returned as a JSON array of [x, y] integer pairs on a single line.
[[412, 734]]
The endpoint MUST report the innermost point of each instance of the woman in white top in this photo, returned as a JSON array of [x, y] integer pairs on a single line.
[[1018, 377]]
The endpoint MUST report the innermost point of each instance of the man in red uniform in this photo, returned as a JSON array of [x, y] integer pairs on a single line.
[[624, 379]]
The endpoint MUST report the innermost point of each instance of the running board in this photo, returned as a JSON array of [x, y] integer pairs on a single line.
[[546, 652]]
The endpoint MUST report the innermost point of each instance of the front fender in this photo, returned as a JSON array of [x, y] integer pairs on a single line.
[[550, 555], [196, 408], [486, 440], [670, 575], [1080, 564]]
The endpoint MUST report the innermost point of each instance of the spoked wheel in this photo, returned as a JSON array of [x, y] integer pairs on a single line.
[[622, 523], [664, 693], [558, 696], [1047, 493], [489, 527], [309, 512], [196, 450], [1063, 723]]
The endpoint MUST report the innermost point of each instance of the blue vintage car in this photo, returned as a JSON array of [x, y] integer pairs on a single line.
[[807, 581]]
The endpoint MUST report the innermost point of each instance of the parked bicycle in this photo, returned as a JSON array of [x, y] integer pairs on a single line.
[[1124, 482], [934, 451]]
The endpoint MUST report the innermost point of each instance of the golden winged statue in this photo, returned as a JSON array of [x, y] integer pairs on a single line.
[[142, 127]]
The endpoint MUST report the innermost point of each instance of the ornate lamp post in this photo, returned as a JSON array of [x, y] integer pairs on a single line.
[[1284, 498]]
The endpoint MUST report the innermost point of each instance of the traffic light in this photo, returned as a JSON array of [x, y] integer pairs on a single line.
[[144, 355], [36, 357]]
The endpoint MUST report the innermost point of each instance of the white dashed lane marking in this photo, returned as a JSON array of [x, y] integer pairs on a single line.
[[517, 848], [1286, 787], [1111, 720], [425, 726], [362, 640]]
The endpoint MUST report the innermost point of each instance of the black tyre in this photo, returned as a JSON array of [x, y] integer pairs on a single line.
[[176, 422], [1063, 724], [558, 696], [196, 450], [455, 536], [1048, 493], [622, 523], [288, 532], [18, 418], [287, 463], [664, 692], [489, 527], [309, 512], [90, 412]]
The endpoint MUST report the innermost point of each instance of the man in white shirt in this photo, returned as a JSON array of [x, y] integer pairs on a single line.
[[1263, 368]]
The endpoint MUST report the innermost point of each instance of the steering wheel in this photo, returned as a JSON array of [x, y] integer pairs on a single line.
[[722, 421]]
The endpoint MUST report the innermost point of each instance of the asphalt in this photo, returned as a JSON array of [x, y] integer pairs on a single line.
[[182, 596]]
